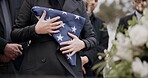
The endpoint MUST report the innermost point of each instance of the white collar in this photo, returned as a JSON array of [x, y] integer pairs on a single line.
[[138, 15]]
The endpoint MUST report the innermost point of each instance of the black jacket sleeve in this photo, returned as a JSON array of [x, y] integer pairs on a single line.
[[3, 43], [88, 35], [24, 28], [102, 44], [123, 22]]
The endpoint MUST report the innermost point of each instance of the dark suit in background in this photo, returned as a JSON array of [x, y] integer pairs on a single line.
[[102, 43], [13, 5], [123, 22], [43, 56]]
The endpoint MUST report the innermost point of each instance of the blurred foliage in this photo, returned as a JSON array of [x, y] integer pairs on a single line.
[[126, 59], [133, 22], [110, 12]]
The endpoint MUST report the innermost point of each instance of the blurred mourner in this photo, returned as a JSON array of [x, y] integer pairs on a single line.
[[8, 51], [90, 58], [139, 6]]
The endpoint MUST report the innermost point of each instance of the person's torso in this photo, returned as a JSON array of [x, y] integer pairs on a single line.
[[43, 49]]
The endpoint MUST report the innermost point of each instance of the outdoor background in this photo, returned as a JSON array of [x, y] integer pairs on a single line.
[[111, 11]]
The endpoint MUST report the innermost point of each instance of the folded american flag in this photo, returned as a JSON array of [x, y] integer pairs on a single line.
[[71, 23]]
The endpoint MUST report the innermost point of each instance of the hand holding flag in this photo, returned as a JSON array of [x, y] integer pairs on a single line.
[[71, 23]]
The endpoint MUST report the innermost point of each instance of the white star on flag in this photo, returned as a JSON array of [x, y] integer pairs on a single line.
[[36, 7], [48, 19], [60, 37], [63, 25], [77, 17], [50, 9], [68, 56], [74, 29], [64, 13]]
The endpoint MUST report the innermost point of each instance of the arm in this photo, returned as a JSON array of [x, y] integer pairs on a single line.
[[28, 27], [88, 35], [3, 43], [24, 29], [102, 43]]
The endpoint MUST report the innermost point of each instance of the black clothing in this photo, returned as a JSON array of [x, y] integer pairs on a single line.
[[102, 43], [123, 22], [13, 11], [43, 56], [13, 7]]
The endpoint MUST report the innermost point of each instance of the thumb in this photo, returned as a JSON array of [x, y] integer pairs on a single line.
[[72, 35], [43, 15], [83, 69]]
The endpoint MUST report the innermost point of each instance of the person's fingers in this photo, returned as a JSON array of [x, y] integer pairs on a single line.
[[83, 69], [57, 23], [15, 47], [19, 52], [10, 57], [10, 53], [72, 36], [13, 59], [65, 48], [54, 31], [54, 19], [56, 27], [43, 15], [20, 47], [68, 51], [14, 56], [65, 43]]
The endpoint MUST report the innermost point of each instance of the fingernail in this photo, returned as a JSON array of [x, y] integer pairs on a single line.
[[58, 16], [63, 52], [61, 22]]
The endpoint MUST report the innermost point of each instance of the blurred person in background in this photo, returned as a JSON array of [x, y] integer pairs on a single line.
[[90, 57], [139, 6], [8, 51]]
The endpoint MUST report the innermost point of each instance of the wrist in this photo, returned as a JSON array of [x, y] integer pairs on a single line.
[[83, 44], [36, 30]]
